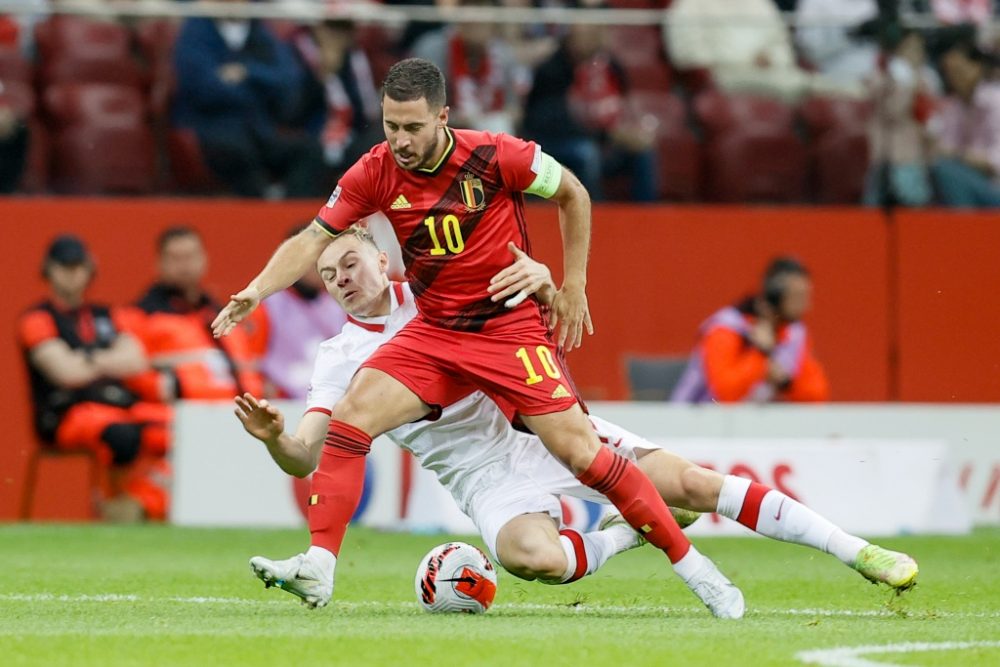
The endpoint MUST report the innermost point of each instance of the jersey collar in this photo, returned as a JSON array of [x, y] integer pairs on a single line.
[[377, 324], [433, 171]]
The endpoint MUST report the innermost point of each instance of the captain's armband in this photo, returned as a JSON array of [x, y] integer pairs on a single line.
[[547, 178]]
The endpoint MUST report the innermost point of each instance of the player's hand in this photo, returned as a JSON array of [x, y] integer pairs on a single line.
[[522, 279], [260, 419], [570, 310], [239, 307]]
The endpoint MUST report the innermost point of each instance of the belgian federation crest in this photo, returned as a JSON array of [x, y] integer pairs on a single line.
[[472, 193]]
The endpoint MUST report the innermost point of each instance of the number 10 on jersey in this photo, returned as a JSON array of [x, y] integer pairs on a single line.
[[544, 357], [452, 233]]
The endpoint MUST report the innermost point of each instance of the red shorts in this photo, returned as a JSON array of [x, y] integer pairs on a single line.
[[516, 364]]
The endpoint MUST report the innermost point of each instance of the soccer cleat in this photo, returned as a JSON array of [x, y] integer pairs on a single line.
[[684, 518], [615, 519], [881, 566], [299, 575], [720, 595]]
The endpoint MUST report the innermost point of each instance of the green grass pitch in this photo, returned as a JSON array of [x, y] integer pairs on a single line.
[[151, 595]]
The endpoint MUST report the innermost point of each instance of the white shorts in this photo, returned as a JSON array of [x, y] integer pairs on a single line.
[[533, 481]]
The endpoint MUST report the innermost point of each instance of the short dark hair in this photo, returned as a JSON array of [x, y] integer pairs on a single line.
[[175, 232], [413, 79], [783, 266]]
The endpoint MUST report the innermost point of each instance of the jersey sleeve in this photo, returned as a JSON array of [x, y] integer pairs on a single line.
[[332, 373], [34, 328], [351, 201], [521, 163]]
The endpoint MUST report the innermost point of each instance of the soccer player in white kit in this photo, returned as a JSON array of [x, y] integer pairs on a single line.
[[505, 480]]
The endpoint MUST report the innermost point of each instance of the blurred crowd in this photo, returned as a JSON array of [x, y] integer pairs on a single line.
[[722, 102]]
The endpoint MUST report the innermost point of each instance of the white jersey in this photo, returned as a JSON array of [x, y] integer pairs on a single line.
[[459, 447], [491, 470]]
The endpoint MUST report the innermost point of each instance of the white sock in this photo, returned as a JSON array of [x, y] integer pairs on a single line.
[[322, 557], [688, 567], [587, 552], [788, 520]]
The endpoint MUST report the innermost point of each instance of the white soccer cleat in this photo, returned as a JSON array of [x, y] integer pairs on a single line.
[[299, 575], [633, 538], [684, 518], [720, 595]]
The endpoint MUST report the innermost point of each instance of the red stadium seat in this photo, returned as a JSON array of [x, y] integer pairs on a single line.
[[654, 75], [82, 37], [102, 142], [838, 129], [19, 96], [635, 44], [187, 164], [95, 159], [156, 40], [35, 179], [752, 151], [77, 49], [821, 114], [67, 68], [679, 151], [13, 67], [108, 105]]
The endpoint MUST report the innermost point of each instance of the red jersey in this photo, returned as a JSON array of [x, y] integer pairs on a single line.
[[452, 222]]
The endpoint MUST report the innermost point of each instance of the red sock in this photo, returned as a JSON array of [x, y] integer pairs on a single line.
[[337, 484], [638, 501]]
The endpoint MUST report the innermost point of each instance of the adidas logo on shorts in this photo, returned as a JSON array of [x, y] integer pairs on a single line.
[[561, 392]]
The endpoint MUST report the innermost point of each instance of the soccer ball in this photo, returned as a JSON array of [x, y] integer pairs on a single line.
[[455, 577]]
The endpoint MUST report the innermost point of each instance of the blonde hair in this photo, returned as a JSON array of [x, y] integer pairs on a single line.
[[360, 233]]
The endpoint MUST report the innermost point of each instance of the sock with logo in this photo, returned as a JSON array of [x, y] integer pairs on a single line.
[[634, 495], [337, 485], [773, 514]]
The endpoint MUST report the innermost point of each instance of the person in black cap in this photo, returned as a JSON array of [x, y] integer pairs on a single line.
[[78, 359]]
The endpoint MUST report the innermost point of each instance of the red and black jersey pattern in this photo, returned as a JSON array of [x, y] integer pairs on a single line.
[[453, 223]]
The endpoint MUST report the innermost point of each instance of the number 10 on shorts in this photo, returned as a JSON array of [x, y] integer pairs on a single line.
[[546, 360]]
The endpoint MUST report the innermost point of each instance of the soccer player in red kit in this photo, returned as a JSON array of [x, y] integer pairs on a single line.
[[454, 198]]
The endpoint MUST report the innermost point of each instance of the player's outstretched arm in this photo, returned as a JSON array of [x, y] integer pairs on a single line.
[[570, 311], [522, 279], [289, 263], [296, 454]]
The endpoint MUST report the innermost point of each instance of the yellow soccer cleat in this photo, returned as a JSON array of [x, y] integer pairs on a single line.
[[881, 566]]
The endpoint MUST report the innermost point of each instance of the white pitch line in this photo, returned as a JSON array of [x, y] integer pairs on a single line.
[[582, 608], [850, 656]]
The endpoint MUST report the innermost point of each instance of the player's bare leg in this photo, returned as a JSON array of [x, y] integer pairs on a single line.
[[571, 438], [374, 403], [772, 514], [531, 546]]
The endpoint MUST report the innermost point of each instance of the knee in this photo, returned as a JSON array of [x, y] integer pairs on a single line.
[[532, 560], [700, 487]]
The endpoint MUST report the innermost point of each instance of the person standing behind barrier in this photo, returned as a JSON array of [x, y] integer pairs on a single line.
[[286, 330], [78, 357], [172, 320], [758, 350]]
